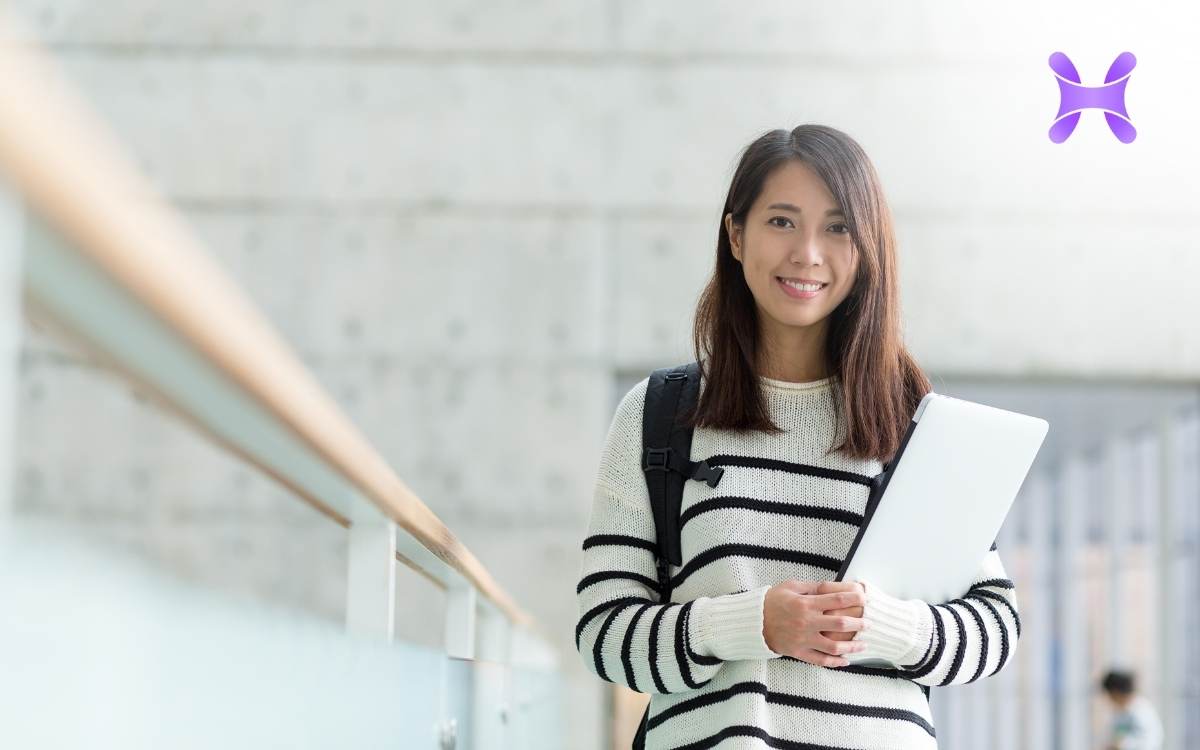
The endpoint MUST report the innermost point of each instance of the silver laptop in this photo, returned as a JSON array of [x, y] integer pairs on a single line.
[[942, 500]]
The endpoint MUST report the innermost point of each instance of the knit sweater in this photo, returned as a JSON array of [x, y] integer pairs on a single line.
[[703, 657]]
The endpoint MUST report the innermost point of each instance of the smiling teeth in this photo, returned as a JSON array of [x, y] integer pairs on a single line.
[[802, 287]]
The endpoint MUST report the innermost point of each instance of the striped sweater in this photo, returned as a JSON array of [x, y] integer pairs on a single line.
[[702, 656]]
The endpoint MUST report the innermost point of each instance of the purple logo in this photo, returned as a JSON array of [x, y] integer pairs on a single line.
[[1075, 97]]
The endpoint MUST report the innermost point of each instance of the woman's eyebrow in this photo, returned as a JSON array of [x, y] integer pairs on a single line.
[[796, 209]]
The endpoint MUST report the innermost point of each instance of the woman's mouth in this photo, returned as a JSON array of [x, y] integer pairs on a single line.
[[797, 290]]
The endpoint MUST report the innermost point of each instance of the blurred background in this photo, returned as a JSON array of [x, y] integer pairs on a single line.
[[478, 224]]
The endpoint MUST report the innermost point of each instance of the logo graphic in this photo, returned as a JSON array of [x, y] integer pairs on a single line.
[[1076, 97]]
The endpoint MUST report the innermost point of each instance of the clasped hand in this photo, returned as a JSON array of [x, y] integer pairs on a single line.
[[815, 621]]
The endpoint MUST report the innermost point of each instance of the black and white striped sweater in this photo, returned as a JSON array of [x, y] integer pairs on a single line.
[[703, 658]]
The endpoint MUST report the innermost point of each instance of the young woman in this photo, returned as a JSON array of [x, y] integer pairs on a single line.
[[798, 336]]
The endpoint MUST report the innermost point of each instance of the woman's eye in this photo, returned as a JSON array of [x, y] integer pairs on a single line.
[[845, 228], [773, 218]]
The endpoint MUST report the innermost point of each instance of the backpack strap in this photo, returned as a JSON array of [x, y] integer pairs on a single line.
[[667, 464], [666, 458]]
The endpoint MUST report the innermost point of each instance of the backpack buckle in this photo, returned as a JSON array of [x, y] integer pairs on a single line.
[[656, 458], [707, 474]]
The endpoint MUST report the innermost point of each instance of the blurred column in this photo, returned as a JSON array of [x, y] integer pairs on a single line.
[[1187, 507], [1037, 618], [1115, 524], [998, 708], [1072, 634], [1169, 621], [1144, 579], [11, 234]]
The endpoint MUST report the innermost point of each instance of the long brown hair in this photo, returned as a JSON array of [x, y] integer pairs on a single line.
[[879, 383]]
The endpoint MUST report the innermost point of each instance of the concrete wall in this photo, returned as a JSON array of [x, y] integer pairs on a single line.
[[476, 221], [12, 233]]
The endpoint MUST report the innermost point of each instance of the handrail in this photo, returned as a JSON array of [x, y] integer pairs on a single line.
[[132, 258]]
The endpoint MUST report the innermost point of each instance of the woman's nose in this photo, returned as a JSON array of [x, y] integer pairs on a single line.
[[806, 250]]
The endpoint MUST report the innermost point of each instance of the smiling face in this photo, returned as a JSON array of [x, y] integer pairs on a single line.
[[795, 232]]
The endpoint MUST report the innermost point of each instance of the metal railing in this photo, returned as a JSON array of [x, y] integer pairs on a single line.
[[118, 272]]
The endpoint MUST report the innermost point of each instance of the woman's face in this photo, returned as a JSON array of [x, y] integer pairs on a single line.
[[794, 231]]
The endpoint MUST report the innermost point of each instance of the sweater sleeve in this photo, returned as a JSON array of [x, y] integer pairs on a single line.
[[953, 642], [623, 633]]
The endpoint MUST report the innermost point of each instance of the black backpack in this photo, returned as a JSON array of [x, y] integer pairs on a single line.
[[667, 464]]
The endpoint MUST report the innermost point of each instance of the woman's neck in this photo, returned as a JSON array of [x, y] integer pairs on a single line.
[[796, 355], [795, 369]]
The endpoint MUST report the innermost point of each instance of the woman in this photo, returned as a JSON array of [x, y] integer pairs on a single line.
[[798, 336]]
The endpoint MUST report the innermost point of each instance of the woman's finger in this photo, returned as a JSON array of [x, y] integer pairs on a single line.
[[839, 600], [842, 624], [836, 648], [812, 656]]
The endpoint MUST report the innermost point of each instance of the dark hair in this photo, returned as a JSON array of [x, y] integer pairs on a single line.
[[1119, 681], [879, 383]]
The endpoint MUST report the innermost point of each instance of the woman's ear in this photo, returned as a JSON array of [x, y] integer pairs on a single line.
[[735, 237]]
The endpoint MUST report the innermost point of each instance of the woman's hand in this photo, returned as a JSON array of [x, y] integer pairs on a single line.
[[798, 620], [829, 587]]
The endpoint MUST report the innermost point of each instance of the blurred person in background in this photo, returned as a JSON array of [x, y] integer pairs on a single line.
[[1135, 724]]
